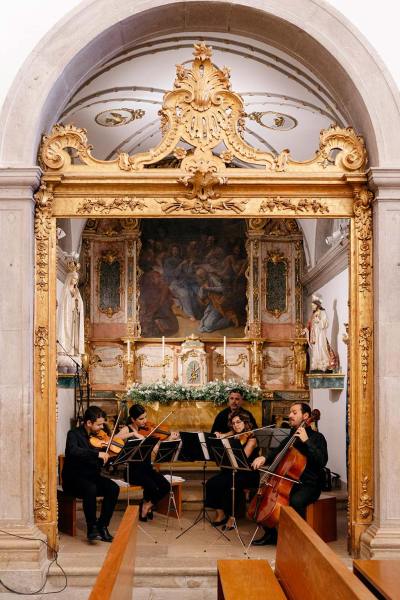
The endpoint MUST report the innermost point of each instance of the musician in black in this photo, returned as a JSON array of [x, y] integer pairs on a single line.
[[81, 475], [312, 445], [218, 487], [235, 401]]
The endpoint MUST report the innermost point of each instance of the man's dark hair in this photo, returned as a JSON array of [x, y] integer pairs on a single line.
[[236, 391], [305, 408], [93, 413]]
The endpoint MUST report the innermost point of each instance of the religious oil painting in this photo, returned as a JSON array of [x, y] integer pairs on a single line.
[[193, 278]]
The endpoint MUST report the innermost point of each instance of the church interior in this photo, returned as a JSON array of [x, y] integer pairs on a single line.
[[205, 225]]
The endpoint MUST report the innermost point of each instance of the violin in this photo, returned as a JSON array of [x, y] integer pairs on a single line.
[[151, 428], [275, 485], [100, 440]]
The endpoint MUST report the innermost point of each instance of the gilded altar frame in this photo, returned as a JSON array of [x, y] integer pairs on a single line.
[[203, 111]]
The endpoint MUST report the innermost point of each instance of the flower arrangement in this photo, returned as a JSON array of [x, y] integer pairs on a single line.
[[213, 391]]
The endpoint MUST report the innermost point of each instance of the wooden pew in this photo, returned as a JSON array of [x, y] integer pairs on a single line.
[[115, 580], [381, 577], [305, 567]]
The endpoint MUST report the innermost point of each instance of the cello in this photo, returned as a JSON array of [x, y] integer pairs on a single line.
[[276, 483]]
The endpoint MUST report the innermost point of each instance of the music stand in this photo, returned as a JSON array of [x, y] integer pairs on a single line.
[[270, 438], [196, 447], [136, 451], [229, 454], [168, 452]]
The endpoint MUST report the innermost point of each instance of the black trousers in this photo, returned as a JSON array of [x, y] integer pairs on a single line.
[[219, 489], [303, 495], [155, 486], [88, 490]]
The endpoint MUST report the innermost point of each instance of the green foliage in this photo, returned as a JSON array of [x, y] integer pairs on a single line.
[[214, 391]]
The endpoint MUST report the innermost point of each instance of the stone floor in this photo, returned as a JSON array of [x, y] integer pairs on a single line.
[[166, 567]]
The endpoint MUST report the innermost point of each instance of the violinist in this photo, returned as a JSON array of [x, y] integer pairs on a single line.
[[155, 486], [312, 445], [81, 475], [218, 488]]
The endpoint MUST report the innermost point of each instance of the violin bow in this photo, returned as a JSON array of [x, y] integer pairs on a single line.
[[122, 401], [161, 422]]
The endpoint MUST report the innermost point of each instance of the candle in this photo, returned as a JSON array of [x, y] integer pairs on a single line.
[[224, 348], [163, 348], [129, 350], [255, 348]]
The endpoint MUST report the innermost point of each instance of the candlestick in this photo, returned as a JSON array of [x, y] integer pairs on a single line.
[[163, 349], [224, 348], [129, 350], [255, 348]]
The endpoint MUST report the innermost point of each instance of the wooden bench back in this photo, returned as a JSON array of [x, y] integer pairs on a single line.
[[307, 568], [115, 580]]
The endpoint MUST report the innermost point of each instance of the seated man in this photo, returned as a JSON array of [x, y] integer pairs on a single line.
[[81, 475], [235, 401], [312, 445]]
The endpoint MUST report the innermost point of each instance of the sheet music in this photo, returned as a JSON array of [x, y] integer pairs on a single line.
[[203, 443], [227, 445]]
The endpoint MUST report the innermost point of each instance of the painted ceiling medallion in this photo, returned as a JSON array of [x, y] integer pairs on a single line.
[[274, 120], [118, 116]]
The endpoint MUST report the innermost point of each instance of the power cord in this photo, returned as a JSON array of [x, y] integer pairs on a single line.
[[54, 561]]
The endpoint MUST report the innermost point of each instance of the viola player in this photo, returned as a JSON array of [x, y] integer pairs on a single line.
[[81, 475], [312, 445]]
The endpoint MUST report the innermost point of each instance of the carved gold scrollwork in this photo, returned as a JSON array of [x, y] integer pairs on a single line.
[[42, 506], [241, 361], [301, 205], [363, 224], [267, 362], [352, 155], [44, 199], [52, 151], [41, 342], [104, 207], [365, 346], [365, 504]]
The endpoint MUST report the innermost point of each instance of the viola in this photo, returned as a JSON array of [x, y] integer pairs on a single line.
[[101, 440], [276, 485]]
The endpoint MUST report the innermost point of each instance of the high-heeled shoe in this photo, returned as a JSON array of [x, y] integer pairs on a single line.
[[141, 517]]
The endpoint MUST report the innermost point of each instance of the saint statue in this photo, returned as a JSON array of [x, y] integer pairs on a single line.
[[70, 322], [322, 356]]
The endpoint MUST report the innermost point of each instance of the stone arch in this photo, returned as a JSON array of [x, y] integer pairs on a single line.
[[309, 30]]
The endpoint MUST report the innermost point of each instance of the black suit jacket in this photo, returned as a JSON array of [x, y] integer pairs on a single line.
[[81, 459]]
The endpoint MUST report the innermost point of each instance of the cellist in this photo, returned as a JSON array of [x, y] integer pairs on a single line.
[[312, 445]]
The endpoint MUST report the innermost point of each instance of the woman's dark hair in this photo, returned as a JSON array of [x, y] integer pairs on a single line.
[[242, 416], [136, 410]]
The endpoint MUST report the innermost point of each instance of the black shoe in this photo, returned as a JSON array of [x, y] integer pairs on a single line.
[[105, 534], [268, 539], [141, 518], [150, 515], [219, 523], [93, 533]]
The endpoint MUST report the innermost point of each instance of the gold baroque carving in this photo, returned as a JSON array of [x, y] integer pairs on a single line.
[[41, 342], [44, 200], [104, 207], [42, 507], [363, 224], [301, 205], [52, 152], [267, 362], [365, 346], [241, 361], [98, 362], [352, 155], [365, 504]]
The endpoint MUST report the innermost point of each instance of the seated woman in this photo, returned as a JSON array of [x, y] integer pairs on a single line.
[[218, 488], [155, 486]]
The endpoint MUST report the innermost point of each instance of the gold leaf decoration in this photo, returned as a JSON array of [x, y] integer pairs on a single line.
[[352, 155], [363, 224], [52, 153], [105, 207], [41, 343], [365, 345], [42, 507], [299, 206], [365, 504], [44, 200]]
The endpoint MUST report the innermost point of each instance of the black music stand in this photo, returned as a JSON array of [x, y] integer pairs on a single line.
[[196, 447], [270, 438], [229, 454], [168, 452]]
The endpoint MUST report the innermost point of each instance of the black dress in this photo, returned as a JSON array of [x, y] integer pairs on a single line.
[[155, 486], [81, 478], [219, 487]]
